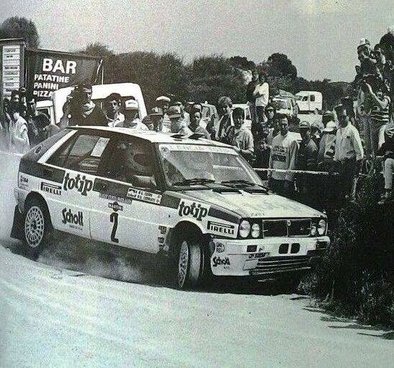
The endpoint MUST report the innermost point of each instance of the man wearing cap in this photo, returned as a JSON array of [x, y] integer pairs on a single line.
[[113, 104], [156, 120], [283, 157], [307, 160], [132, 120], [178, 125], [163, 102], [84, 111], [348, 153], [195, 118]]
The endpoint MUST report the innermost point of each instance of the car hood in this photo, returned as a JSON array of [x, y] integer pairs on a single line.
[[247, 204]]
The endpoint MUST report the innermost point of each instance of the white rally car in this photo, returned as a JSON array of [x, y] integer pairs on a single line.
[[196, 201]]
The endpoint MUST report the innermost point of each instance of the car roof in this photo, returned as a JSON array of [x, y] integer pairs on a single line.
[[152, 136]]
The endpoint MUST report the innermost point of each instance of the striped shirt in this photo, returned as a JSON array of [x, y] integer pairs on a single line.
[[380, 116]]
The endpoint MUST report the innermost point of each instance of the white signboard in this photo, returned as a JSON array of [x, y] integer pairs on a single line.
[[11, 67]]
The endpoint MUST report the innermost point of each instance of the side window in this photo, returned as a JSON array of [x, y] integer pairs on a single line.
[[312, 98], [305, 98], [132, 162], [82, 154]]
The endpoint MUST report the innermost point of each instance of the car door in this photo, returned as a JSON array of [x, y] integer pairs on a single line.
[[69, 201], [125, 200]]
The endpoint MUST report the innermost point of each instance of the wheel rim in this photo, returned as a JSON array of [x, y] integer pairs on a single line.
[[34, 226], [183, 263]]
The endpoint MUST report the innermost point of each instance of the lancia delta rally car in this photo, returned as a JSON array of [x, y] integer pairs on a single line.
[[196, 201]]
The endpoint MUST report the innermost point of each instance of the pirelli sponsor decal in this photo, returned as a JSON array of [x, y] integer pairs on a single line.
[[51, 188], [221, 229]]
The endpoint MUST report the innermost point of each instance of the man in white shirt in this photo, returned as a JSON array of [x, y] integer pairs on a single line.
[[348, 153], [132, 120], [283, 157], [261, 92]]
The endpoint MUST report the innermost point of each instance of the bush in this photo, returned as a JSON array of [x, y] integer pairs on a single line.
[[357, 274]]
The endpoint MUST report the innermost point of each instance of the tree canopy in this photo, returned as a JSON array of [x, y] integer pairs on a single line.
[[19, 27]]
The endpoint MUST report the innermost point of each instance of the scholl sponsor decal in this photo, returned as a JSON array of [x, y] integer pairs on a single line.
[[51, 188], [218, 261], [69, 217], [79, 183]]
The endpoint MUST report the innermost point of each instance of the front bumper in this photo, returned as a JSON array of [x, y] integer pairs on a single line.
[[265, 256]]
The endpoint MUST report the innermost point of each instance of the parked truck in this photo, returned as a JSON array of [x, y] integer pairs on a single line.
[[309, 101]]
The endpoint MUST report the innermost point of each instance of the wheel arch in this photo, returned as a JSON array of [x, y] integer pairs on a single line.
[[186, 227], [38, 197]]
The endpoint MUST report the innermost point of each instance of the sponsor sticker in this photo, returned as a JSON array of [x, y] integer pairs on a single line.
[[51, 188], [219, 261], [79, 183], [74, 220], [111, 197], [193, 209], [221, 229], [23, 181], [164, 148], [115, 206], [144, 196]]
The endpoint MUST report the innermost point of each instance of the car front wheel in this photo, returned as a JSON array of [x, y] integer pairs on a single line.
[[190, 268], [37, 227]]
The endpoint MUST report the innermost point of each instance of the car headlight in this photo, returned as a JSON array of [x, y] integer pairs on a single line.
[[313, 229], [255, 230], [321, 227], [244, 229]]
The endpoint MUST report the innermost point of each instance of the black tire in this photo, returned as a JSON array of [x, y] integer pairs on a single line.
[[190, 263], [37, 227]]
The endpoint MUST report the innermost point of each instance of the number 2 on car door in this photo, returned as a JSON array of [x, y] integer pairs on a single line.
[[114, 219]]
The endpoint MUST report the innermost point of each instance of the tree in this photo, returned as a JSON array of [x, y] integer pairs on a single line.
[[19, 27], [98, 49], [279, 65], [242, 62], [215, 76]]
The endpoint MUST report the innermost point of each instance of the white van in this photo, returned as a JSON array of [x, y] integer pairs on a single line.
[[54, 108], [308, 101]]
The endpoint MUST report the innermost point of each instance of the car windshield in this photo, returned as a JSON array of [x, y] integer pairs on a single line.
[[193, 165], [281, 104]]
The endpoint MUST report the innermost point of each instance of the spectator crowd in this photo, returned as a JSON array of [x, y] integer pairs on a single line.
[[316, 162]]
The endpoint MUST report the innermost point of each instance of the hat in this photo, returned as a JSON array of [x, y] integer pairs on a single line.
[[390, 130], [163, 99], [83, 87], [131, 105], [156, 111], [269, 107], [330, 127], [304, 125], [364, 42], [174, 112], [317, 125], [177, 103]]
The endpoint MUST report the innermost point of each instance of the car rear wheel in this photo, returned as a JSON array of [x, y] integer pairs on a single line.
[[190, 265], [37, 227]]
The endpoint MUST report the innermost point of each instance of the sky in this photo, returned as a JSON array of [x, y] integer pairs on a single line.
[[319, 36]]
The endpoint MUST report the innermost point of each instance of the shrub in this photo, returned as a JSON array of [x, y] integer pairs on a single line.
[[358, 270]]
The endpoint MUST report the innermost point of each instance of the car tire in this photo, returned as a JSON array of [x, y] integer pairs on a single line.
[[190, 263], [37, 227]]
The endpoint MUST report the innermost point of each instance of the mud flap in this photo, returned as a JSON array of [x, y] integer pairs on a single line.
[[17, 231]]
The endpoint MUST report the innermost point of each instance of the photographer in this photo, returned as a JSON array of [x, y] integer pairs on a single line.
[[83, 111], [380, 101]]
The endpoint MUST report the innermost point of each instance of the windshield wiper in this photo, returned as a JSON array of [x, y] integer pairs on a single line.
[[194, 181], [242, 183]]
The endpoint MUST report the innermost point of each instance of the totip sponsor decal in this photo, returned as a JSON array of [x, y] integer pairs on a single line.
[[51, 188], [79, 183], [221, 229], [193, 209]]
